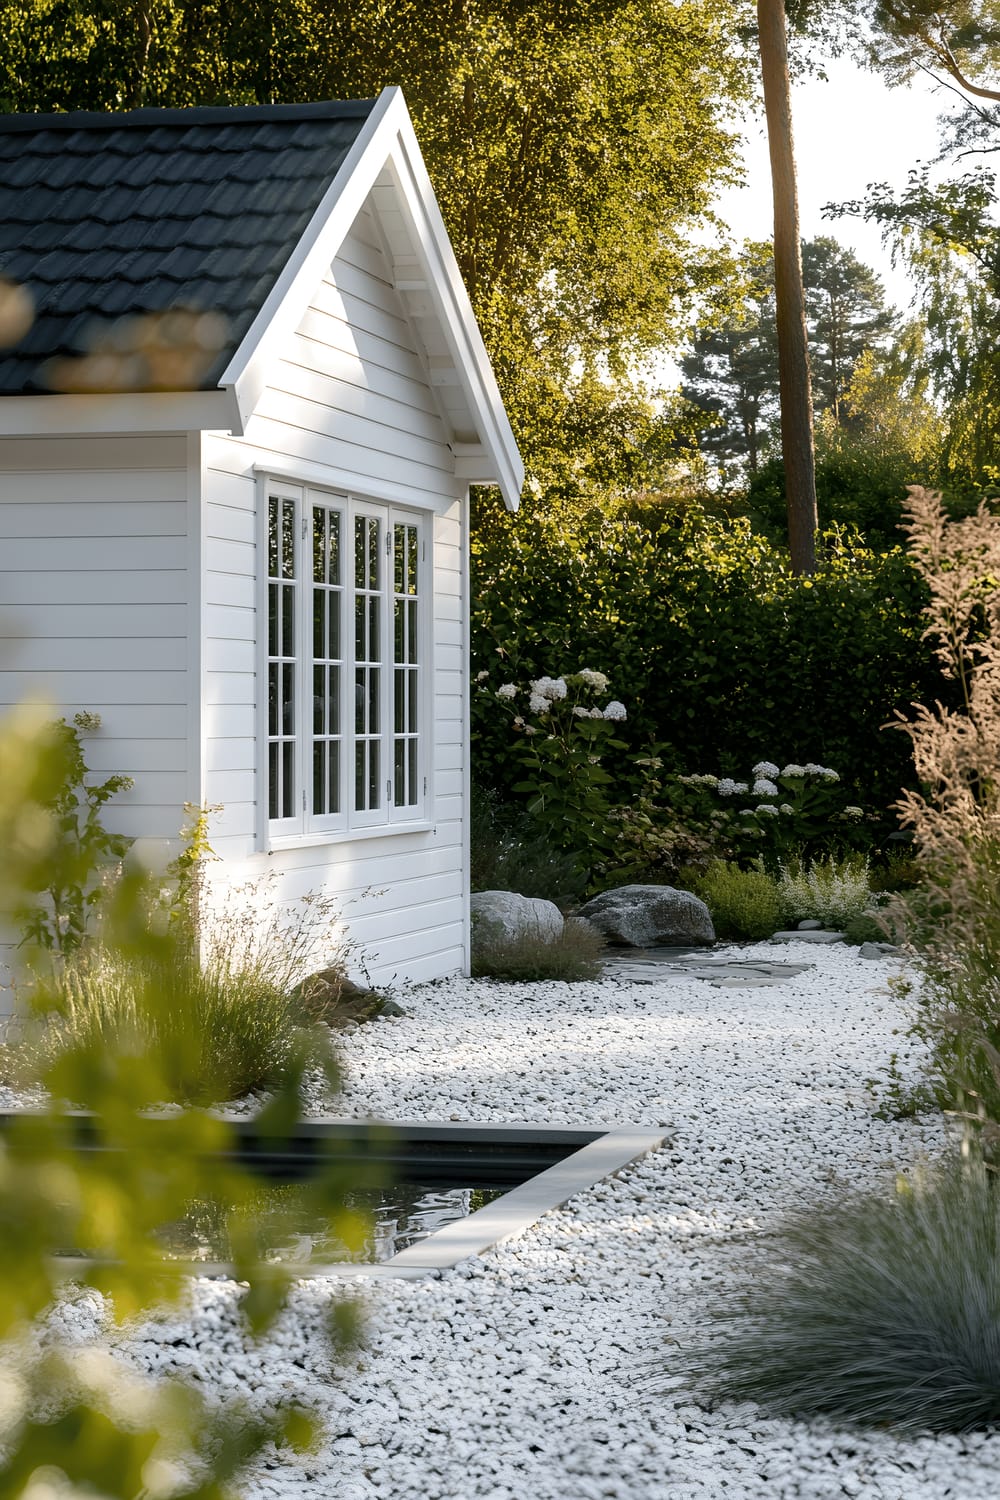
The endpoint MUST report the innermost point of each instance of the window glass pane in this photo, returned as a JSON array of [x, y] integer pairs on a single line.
[[272, 538], [359, 552], [374, 679], [319, 545], [411, 561], [412, 703], [333, 625], [287, 621], [360, 618], [333, 777], [272, 619], [287, 779], [399, 559], [360, 698], [374, 540], [411, 608], [319, 777], [398, 631], [412, 772], [272, 781], [399, 774], [288, 539], [273, 710], [374, 775], [319, 623], [287, 699], [319, 700], [333, 548], [359, 775], [374, 634], [399, 702], [333, 699]]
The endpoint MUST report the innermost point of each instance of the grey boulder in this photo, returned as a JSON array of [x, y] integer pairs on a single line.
[[647, 916], [514, 916]]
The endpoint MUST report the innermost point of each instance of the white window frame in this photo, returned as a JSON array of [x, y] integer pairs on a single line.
[[303, 825]]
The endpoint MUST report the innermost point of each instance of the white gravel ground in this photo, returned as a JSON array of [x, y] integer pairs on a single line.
[[536, 1372]]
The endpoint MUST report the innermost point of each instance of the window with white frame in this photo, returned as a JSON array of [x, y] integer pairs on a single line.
[[347, 656]]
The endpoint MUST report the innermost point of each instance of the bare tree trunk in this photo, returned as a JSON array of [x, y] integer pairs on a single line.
[[790, 302]]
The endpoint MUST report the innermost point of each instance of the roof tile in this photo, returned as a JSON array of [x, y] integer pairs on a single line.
[[103, 216]]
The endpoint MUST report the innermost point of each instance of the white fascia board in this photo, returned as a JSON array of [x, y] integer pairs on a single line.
[[121, 413], [387, 138], [503, 465]]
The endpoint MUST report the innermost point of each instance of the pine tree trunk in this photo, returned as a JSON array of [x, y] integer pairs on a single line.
[[790, 302]]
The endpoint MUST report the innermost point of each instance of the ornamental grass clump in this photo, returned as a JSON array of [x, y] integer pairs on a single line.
[[743, 903], [573, 955], [882, 1310], [832, 891], [953, 920]]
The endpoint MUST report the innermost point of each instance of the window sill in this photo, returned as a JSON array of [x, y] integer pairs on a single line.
[[344, 836]]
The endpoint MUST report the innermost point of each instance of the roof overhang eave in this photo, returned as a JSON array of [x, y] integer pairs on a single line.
[[119, 413]]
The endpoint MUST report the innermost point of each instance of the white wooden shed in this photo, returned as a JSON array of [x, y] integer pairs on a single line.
[[235, 452]]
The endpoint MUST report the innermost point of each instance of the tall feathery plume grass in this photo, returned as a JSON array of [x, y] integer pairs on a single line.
[[953, 920]]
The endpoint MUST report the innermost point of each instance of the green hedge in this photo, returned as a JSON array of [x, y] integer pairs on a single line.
[[719, 652]]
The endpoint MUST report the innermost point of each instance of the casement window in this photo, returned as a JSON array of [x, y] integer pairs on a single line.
[[347, 658]]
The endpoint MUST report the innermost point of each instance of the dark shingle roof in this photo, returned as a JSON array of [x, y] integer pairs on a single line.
[[104, 217]]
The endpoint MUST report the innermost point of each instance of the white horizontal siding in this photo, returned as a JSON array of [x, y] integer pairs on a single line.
[[349, 405], [95, 608]]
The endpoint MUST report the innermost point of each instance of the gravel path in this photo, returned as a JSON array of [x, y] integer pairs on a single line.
[[541, 1371]]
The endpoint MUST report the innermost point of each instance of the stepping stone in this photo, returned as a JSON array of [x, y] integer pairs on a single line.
[[798, 936]]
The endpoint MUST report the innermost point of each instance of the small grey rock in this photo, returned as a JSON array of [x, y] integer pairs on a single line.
[[517, 916], [877, 950], [809, 936], [810, 924], [390, 1008]]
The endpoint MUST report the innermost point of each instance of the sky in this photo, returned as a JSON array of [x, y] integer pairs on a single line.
[[849, 132]]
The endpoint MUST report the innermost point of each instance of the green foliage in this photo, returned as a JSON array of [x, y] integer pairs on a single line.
[[865, 928], [712, 641], [872, 1309], [743, 903], [572, 956], [562, 733], [832, 891], [60, 914], [80, 1412], [509, 853]]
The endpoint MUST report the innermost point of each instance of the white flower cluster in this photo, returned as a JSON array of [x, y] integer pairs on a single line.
[[508, 690], [728, 788], [538, 704], [764, 788], [615, 710], [792, 770], [551, 688], [766, 768], [855, 813], [596, 680], [700, 780], [812, 769]]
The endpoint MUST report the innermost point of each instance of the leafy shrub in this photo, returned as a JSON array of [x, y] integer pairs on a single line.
[[831, 891], [574, 955], [508, 853], [708, 637], [743, 903], [871, 1309], [866, 928]]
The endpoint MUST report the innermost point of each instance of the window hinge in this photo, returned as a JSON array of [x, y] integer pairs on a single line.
[[388, 542], [423, 551], [303, 799], [388, 791], [425, 786], [305, 528]]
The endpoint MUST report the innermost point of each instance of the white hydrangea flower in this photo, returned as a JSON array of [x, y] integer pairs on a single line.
[[580, 712], [766, 807], [793, 770], [729, 788], [538, 704], [766, 768], [747, 812], [787, 809], [482, 676], [595, 713], [764, 788], [854, 812], [812, 769], [508, 690], [518, 722], [615, 710], [553, 688], [596, 680]]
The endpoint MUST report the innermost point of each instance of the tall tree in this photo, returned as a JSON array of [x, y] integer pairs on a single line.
[[789, 292], [847, 314], [575, 145]]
